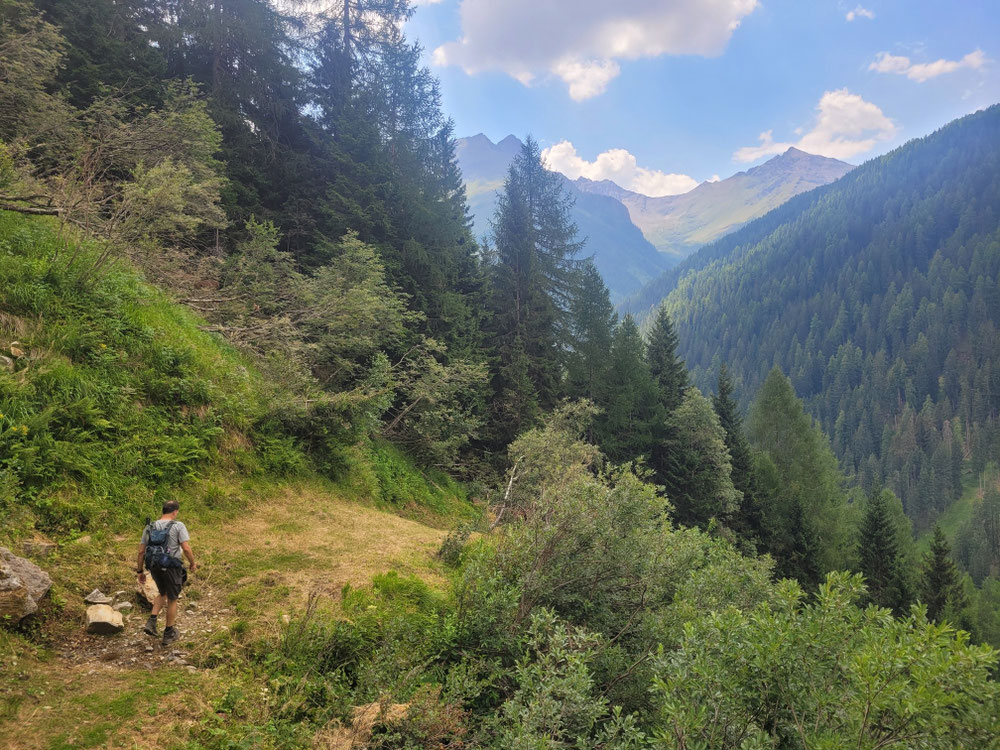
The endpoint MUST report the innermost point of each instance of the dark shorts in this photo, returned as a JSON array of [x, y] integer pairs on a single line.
[[169, 581]]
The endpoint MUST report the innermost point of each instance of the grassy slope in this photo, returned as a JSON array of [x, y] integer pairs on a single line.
[[124, 401], [264, 549]]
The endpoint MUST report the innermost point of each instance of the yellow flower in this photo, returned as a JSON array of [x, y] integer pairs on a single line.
[[104, 346]]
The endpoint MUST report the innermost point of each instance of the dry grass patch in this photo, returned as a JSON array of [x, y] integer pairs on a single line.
[[306, 539], [70, 706]]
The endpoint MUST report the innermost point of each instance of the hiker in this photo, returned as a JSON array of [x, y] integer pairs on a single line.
[[160, 550]]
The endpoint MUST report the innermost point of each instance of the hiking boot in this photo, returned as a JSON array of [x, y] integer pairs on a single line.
[[169, 635], [150, 627]]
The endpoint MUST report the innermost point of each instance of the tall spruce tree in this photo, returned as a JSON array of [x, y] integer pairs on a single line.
[[798, 552], [747, 520], [631, 413], [592, 326], [532, 280], [665, 364], [879, 558], [941, 585]]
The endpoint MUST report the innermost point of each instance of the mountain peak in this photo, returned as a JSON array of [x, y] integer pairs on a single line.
[[480, 139], [510, 143]]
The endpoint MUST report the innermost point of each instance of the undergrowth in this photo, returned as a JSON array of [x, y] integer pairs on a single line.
[[113, 399]]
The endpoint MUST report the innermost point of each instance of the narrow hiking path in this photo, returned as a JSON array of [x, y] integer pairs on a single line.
[[257, 567]]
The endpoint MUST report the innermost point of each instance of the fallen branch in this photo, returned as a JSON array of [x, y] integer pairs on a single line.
[[33, 210]]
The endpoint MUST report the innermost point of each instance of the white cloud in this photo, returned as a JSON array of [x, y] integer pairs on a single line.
[[860, 12], [617, 165], [583, 41], [845, 125], [886, 63], [586, 79]]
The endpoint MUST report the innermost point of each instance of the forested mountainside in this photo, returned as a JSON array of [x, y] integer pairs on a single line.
[[679, 224], [625, 258], [878, 296]]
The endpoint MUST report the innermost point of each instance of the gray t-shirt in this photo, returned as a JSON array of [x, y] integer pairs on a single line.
[[177, 536]]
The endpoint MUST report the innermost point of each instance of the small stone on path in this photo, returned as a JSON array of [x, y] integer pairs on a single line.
[[123, 607], [97, 597]]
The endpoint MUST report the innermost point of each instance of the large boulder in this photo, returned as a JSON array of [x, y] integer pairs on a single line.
[[104, 620], [22, 585]]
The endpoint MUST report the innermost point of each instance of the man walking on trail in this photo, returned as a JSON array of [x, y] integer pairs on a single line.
[[165, 544]]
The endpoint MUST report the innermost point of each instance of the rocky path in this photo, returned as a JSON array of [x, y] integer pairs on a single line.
[[198, 620]]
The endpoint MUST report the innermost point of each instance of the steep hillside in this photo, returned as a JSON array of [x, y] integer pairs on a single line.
[[679, 224], [621, 253], [113, 397], [878, 296]]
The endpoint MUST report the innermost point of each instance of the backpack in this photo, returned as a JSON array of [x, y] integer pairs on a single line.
[[157, 554]]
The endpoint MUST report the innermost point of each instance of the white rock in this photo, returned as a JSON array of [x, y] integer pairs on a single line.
[[123, 607], [104, 620]]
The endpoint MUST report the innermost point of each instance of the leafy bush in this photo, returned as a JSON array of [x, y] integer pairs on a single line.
[[824, 674]]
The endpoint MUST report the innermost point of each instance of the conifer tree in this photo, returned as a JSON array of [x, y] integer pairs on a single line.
[[532, 280], [942, 586], [879, 558], [746, 521], [631, 412], [798, 553], [592, 324], [665, 364]]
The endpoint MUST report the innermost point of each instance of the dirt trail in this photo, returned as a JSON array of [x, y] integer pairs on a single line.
[[259, 567], [255, 570]]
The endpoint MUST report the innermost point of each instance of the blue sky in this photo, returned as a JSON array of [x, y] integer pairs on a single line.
[[673, 92]]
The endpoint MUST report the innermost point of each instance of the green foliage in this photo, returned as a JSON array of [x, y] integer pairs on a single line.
[[31, 50], [111, 395], [941, 587], [747, 521], [631, 415], [799, 469], [665, 364], [824, 674], [880, 558], [592, 325], [556, 705], [694, 463]]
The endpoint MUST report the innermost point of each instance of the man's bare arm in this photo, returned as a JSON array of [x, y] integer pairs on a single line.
[[140, 559], [186, 547]]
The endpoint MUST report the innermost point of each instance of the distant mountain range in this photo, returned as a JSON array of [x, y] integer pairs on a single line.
[[878, 296], [634, 238], [679, 224], [624, 257]]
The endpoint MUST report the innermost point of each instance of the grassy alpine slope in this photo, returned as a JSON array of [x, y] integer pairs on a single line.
[[113, 399]]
